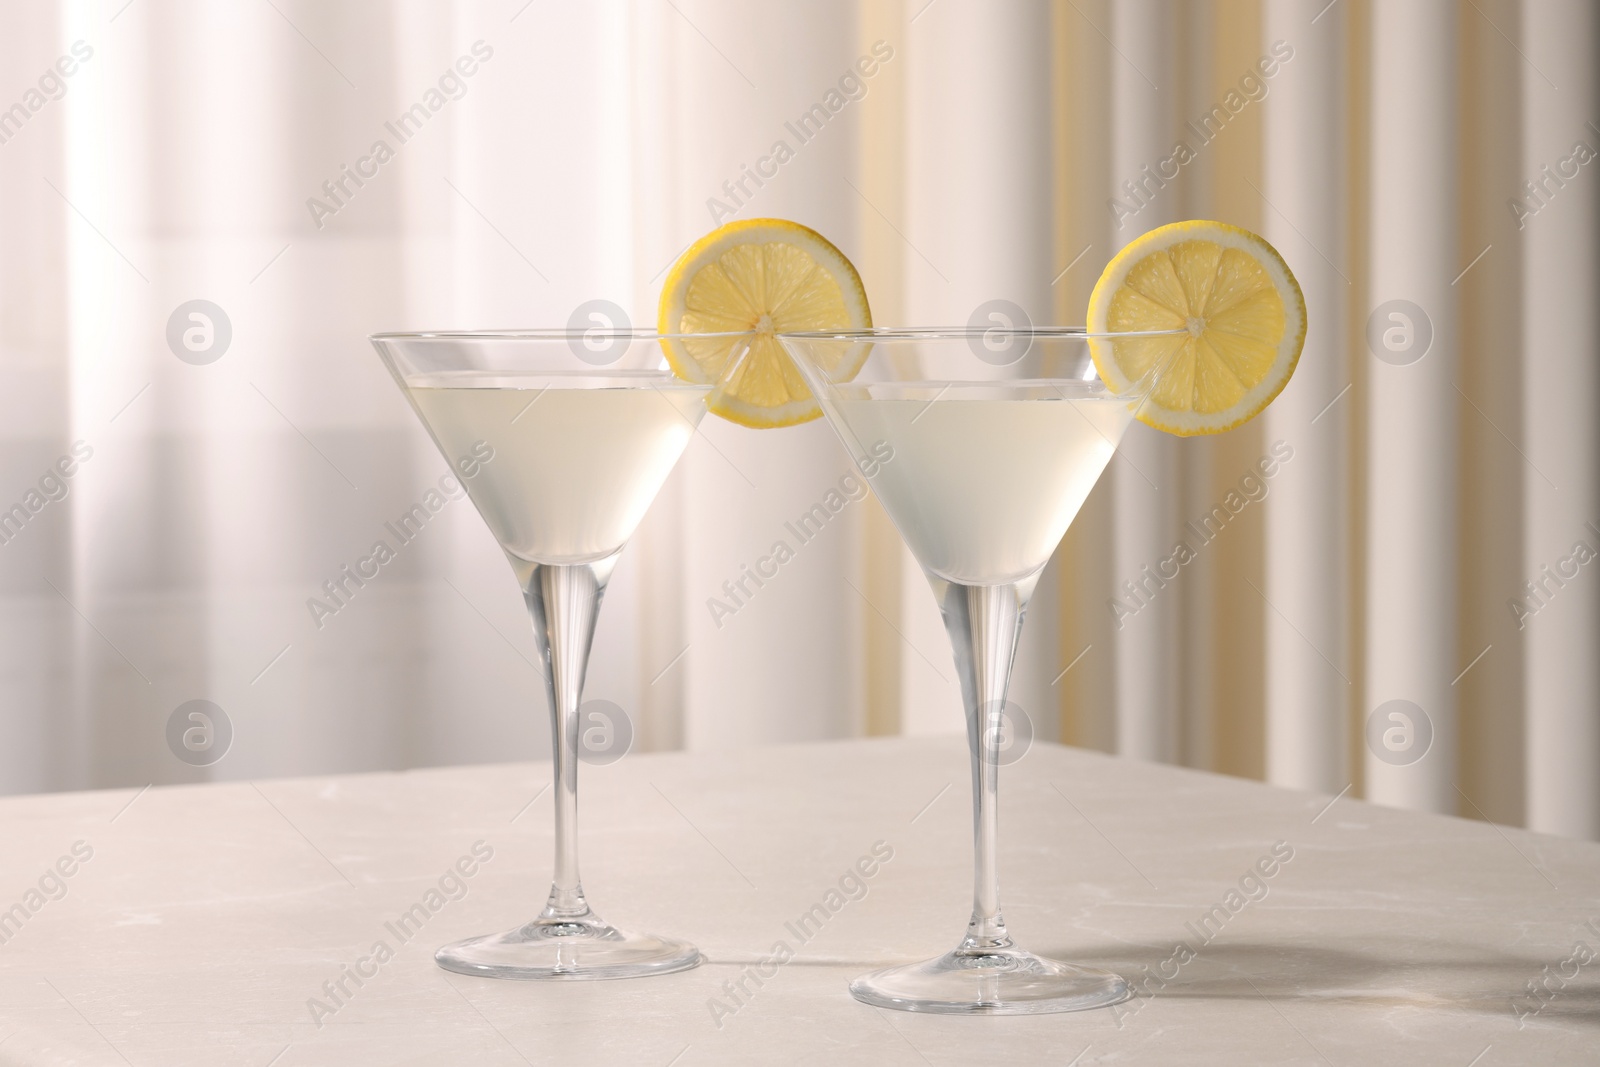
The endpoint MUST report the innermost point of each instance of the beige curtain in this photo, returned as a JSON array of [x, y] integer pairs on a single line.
[[1402, 608], [1366, 625]]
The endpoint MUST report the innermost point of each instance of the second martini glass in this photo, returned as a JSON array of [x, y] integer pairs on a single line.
[[997, 439], [562, 440]]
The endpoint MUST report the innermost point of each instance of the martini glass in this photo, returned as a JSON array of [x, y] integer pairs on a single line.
[[562, 439], [993, 440]]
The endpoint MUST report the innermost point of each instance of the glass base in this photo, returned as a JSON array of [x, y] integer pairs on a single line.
[[567, 949], [993, 982]]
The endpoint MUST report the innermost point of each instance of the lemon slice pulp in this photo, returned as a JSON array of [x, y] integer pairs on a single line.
[[757, 278], [1241, 312]]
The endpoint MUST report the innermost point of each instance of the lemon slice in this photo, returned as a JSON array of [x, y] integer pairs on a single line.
[[1243, 312], [758, 277]]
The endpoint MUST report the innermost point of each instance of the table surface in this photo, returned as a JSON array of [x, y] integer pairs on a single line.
[[204, 921]]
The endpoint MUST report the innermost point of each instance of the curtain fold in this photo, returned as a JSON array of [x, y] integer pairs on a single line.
[[1558, 213], [1147, 479], [1489, 696], [1308, 691], [1412, 445]]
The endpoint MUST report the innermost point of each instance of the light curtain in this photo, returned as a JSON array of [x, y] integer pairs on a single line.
[[204, 152], [1364, 624]]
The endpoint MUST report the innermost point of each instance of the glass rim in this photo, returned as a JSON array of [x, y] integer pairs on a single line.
[[552, 334], [966, 333]]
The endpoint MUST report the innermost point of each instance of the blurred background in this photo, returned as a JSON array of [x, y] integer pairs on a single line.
[[1407, 610]]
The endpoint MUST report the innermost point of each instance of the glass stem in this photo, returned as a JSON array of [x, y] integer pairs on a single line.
[[983, 622], [564, 602]]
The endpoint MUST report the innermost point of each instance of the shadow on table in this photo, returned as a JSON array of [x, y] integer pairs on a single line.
[[1408, 973]]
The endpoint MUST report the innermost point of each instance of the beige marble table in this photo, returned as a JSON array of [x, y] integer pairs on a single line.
[[206, 924]]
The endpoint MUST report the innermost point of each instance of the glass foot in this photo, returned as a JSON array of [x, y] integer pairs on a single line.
[[995, 982], [567, 949]]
